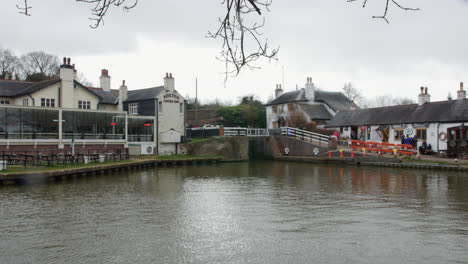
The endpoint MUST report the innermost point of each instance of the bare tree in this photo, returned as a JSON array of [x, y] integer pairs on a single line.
[[297, 120], [9, 64], [39, 62], [388, 3], [386, 100], [240, 28], [240, 31], [351, 92]]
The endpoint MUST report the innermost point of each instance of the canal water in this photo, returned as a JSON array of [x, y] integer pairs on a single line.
[[257, 212]]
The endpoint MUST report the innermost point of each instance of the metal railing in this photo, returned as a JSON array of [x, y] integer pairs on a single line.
[[249, 132], [305, 135], [52, 157]]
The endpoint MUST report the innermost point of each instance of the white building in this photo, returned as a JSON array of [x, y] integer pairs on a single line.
[[442, 124], [314, 105], [153, 117]]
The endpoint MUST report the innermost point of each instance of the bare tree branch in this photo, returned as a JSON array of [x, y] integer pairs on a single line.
[[240, 33], [387, 6], [24, 8]]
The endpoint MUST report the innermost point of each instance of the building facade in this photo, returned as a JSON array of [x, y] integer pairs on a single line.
[[309, 103], [442, 124], [55, 112]]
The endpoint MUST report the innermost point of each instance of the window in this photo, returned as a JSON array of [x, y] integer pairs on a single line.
[[47, 102], [421, 133], [398, 133], [275, 124], [181, 107], [25, 123], [160, 107], [275, 109], [25, 101], [84, 105], [133, 108], [4, 101], [290, 107]]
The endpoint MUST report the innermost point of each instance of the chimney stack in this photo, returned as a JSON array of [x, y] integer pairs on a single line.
[[123, 95], [105, 80], [169, 83], [310, 90], [67, 76], [424, 96], [278, 91], [461, 94]]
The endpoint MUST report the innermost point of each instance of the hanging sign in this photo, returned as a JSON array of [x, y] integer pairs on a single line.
[[409, 131]]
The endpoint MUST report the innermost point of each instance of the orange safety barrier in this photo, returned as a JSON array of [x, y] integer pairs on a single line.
[[383, 147]]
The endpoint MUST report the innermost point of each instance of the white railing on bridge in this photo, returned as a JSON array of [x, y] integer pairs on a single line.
[[243, 131], [304, 135]]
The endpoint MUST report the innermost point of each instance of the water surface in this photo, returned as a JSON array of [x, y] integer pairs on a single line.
[[257, 212]]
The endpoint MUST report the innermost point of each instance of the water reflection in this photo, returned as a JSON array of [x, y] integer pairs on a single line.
[[259, 212]]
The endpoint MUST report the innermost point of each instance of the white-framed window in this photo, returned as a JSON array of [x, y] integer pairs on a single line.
[[133, 108], [84, 104], [181, 107], [47, 102], [25, 101], [4, 101], [160, 107]]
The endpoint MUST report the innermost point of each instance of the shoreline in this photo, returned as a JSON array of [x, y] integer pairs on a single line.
[[43, 176]]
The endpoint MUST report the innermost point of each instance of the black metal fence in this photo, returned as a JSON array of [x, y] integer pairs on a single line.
[[53, 157]]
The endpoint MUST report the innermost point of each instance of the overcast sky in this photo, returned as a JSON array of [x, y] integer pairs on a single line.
[[330, 40]]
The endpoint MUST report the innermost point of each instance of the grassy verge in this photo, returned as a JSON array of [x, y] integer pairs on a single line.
[[196, 140]]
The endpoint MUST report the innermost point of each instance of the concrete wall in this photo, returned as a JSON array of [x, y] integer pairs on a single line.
[[230, 148]]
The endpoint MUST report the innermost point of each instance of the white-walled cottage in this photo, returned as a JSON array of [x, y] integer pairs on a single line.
[[314, 105], [151, 120], [442, 124]]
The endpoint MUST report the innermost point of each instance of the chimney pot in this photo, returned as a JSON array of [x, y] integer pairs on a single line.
[[461, 86], [123, 82], [64, 61], [68, 61]]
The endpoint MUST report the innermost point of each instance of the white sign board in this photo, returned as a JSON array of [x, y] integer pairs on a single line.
[[170, 136]]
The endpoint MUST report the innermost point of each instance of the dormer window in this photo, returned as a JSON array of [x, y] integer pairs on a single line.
[[133, 108]]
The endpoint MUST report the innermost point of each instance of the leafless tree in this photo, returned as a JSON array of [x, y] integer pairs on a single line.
[[388, 3], [39, 62], [351, 92], [386, 100], [297, 120], [9, 64], [240, 32], [240, 27]]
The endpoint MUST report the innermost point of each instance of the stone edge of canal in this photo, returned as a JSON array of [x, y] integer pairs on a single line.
[[57, 175], [63, 174]]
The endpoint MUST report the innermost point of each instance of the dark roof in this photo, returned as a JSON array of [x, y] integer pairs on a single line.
[[37, 86], [289, 97], [444, 111], [144, 94], [316, 111], [335, 100], [11, 88], [15, 88], [107, 97]]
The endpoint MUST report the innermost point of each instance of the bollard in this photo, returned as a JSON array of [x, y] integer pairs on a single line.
[[341, 153], [395, 151], [364, 152]]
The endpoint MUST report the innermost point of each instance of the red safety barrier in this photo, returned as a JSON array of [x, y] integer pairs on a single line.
[[382, 147]]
